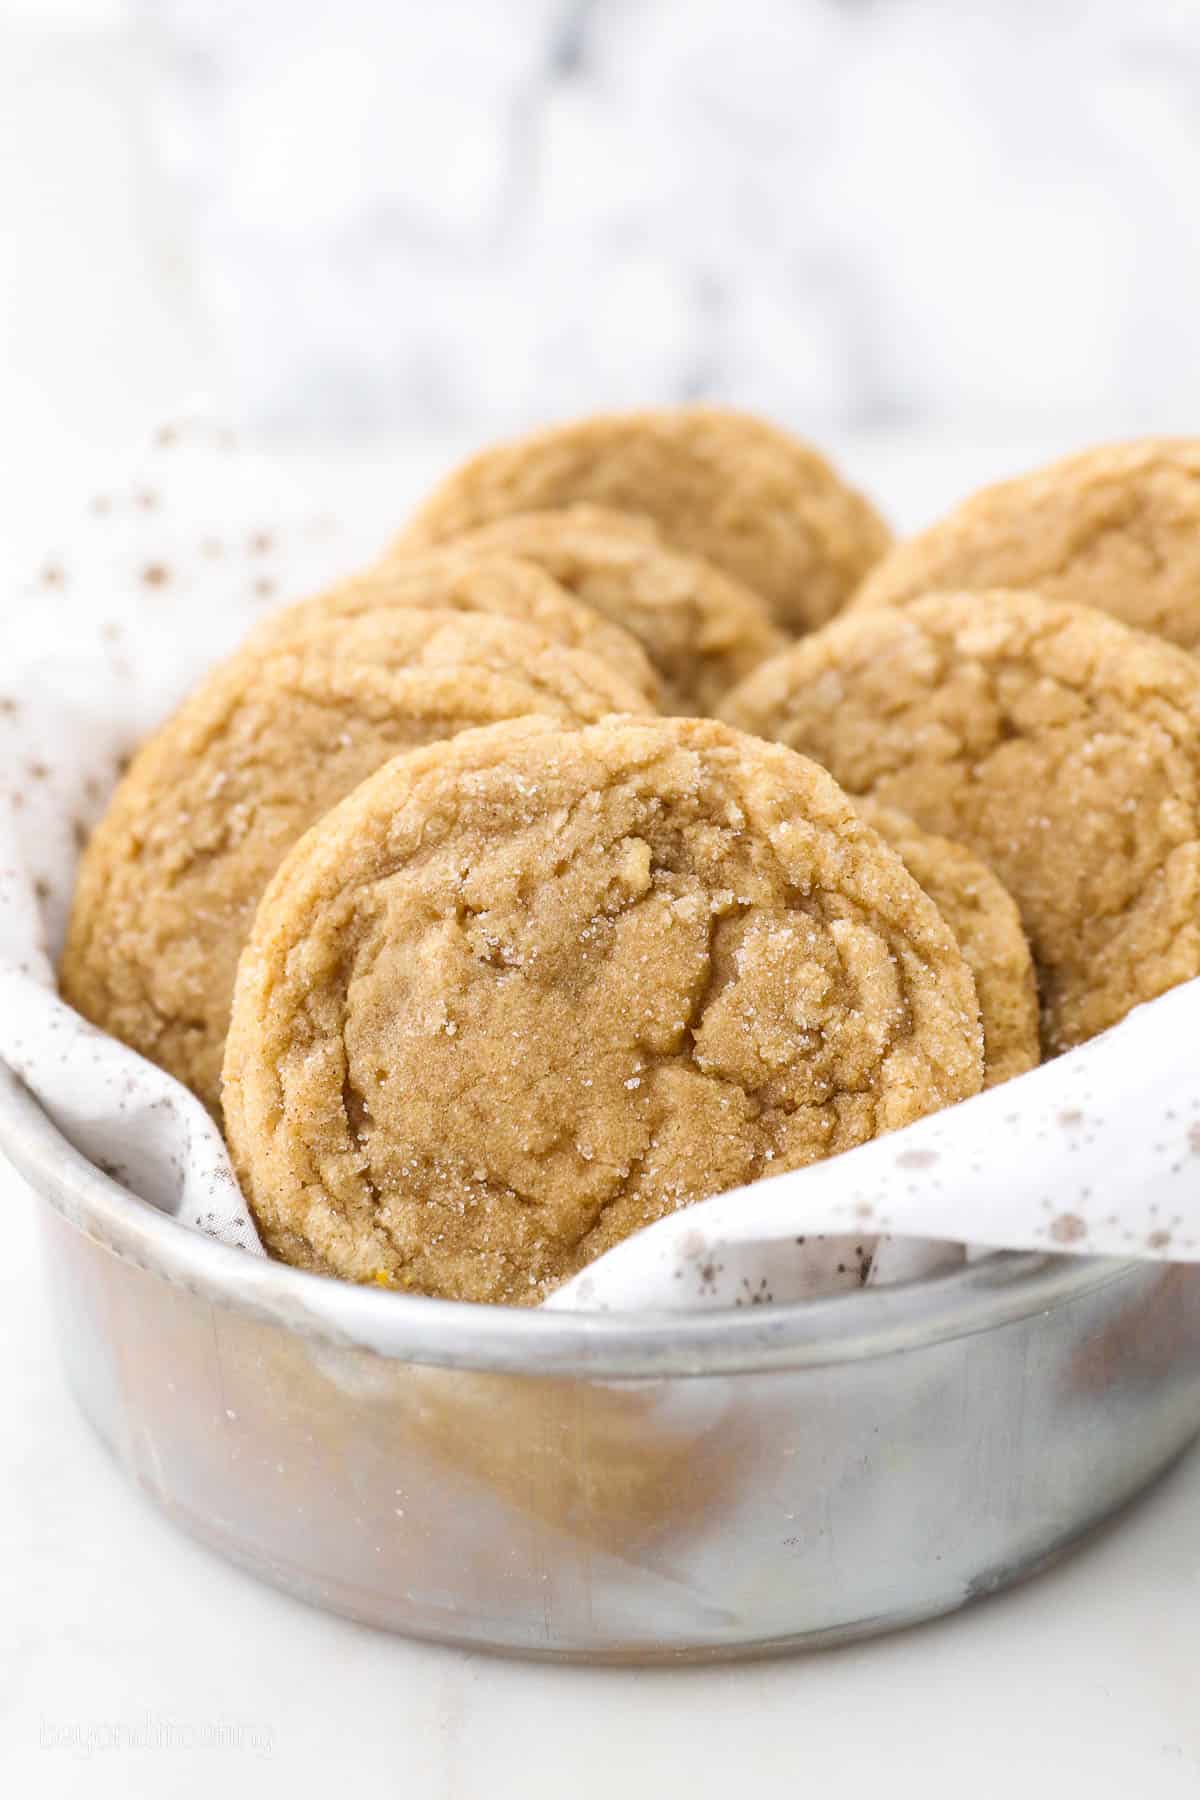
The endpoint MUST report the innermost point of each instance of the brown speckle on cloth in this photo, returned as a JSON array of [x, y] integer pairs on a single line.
[[916, 1159]]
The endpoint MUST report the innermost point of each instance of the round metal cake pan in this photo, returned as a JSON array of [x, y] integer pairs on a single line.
[[642, 1487]]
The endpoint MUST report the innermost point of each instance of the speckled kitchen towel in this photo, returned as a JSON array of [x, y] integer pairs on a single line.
[[164, 573], [1098, 1152]]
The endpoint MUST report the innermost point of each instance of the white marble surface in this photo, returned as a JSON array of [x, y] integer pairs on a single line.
[[859, 215], [125, 1651], [379, 215], [906, 222]]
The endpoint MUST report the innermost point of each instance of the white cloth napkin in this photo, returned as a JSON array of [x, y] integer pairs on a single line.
[[1096, 1153]]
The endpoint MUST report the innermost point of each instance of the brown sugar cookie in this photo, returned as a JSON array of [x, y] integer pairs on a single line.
[[1116, 528], [703, 630], [169, 883], [1054, 742], [730, 488], [463, 581], [983, 916], [527, 991]]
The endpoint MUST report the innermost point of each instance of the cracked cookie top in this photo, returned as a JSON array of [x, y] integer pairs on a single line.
[[746, 496], [267, 743], [703, 630], [527, 991], [1053, 741], [466, 580], [1117, 528]]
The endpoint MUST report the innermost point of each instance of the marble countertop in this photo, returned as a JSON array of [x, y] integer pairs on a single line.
[[970, 222], [133, 1662]]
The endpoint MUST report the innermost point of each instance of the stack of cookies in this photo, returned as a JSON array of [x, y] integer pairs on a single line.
[[645, 823]]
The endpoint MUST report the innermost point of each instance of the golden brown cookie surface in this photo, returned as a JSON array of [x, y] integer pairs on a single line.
[[1051, 740], [702, 630], [740, 493], [212, 803], [1117, 528], [983, 916], [458, 580], [525, 992]]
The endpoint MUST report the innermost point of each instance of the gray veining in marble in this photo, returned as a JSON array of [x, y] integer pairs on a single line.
[[974, 219], [858, 213]]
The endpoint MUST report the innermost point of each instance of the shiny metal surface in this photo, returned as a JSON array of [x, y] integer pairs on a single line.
[[651, 1487]]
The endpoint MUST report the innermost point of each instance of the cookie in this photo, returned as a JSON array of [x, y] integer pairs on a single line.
[[732, 489], [459, 580], [1052, 741], [983, 916], [525, 992], [169, 883], [1116, 528], [702, 630]]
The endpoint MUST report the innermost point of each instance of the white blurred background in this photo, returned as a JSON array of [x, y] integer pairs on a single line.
[[909, 222]]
